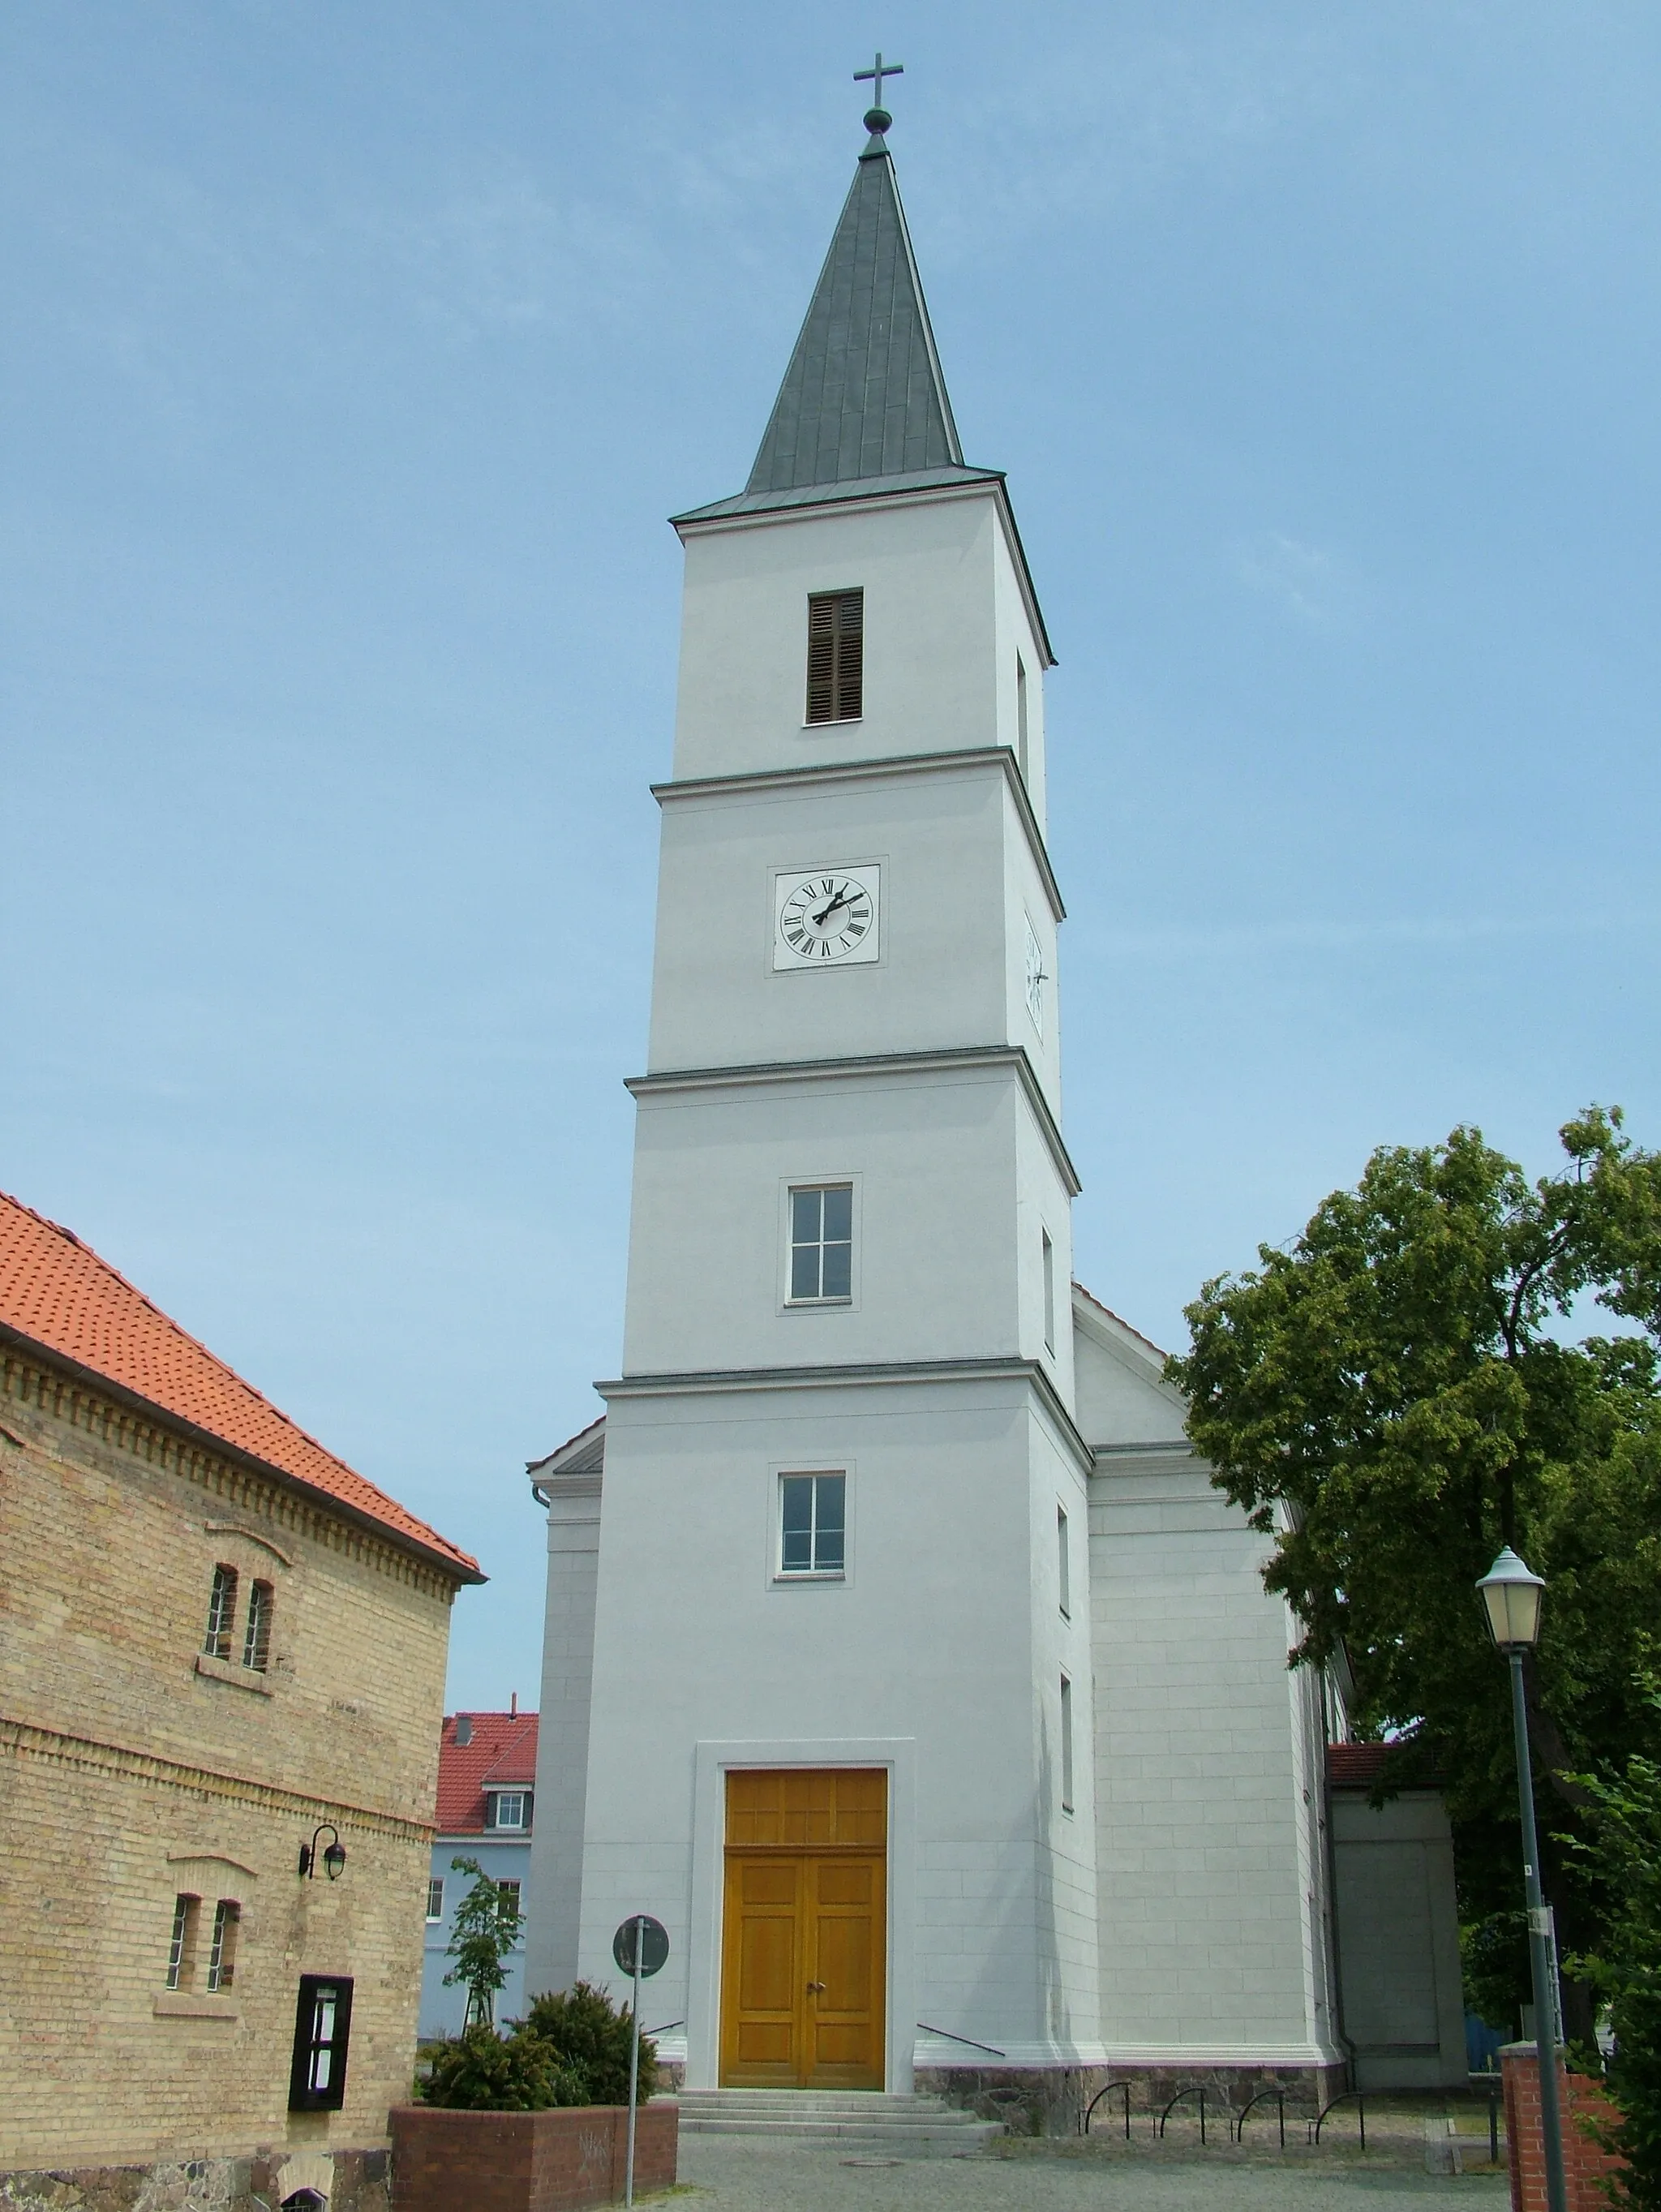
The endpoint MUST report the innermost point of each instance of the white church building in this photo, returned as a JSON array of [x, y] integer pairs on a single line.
[[899, 1657]]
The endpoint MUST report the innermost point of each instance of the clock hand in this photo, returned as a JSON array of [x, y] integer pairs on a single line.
[[842, 898]]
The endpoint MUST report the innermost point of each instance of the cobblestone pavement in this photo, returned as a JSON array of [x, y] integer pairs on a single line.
[[734, 2173]]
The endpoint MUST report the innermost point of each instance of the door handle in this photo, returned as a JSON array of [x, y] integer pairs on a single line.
[[814, 1988]]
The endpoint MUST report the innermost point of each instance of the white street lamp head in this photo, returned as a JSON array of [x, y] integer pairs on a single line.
[[1512, 1596]]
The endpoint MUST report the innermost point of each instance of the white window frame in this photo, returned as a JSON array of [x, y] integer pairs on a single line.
[[521, 1799], [780, 1573], [1067, 1775], [788, 1187], [434, 1896]]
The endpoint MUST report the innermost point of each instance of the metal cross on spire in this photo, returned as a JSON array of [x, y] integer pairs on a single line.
[[874, 77]]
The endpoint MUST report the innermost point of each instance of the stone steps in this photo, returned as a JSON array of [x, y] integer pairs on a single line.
[[855, 2119]]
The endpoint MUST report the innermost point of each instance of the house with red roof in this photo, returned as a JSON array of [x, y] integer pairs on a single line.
[[221, 1667], [487, 1807]]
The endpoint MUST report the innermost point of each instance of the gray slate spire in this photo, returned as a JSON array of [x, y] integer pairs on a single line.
[[864, 395], [863, 408]]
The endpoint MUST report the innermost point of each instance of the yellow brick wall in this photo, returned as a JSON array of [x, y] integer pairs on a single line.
[[128, 1775]]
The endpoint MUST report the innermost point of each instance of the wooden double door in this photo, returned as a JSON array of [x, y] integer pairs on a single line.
[[804, 1933]]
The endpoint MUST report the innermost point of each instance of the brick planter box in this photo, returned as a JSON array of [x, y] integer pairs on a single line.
[[551, 2161], [1585, 2162]]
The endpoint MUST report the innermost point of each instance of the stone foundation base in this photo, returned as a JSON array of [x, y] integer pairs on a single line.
[[347, 2181], [1052, 2100]]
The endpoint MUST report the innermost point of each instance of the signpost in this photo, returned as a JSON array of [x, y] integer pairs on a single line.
[[639, 1947]]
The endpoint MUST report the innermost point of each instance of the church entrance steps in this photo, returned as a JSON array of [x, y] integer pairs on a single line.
[[853, 2117]]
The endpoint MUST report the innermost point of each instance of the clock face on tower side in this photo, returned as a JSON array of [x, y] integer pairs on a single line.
[[828, 919]]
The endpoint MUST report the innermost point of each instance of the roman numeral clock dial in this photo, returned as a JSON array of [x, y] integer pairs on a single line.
[[826, 918]]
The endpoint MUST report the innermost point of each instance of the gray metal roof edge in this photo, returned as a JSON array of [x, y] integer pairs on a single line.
[[944, 397], [831, 495], [757, 506]]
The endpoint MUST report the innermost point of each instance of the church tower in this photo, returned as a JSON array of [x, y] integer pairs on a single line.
[[822, 1697]]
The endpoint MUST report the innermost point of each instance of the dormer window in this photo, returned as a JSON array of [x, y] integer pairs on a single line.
[[509, 1809], [836, 656]]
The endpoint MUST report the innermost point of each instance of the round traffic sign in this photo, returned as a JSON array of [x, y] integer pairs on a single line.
[[654, 1948]]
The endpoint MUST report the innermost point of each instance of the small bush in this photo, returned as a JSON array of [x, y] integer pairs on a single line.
[[590, 2036], [480, 2071]]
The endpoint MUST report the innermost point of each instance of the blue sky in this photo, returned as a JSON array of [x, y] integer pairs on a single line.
[[355, 354]]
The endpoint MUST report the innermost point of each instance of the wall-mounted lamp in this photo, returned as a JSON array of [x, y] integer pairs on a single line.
[[333, 1855]]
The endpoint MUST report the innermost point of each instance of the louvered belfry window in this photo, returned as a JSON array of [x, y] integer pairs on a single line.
[[836, 654]]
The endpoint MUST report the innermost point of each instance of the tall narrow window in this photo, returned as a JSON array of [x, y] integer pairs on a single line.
[[221, 1613], [1049, 1293], [435, 1897], [221, 1953], [323, 2029], [181, 1952], [507, 1893], [256, 1643], [813, 1524], [836, 656], [821, 1241], [1020, 716], [1063, 1564], [1066, 1745]]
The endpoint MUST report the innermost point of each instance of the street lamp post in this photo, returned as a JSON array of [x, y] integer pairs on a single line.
[[1512, 1596]]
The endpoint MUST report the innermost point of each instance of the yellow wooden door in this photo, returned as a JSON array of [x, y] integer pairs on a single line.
[[805, 1932]]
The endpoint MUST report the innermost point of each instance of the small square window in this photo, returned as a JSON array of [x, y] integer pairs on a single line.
[[181, 1952], [323, 2031], [1066, 1745], [821, 1244], [836, 656], [813, 1524], [509, 1808], [257, 1643], [435, 1898], [221, 1955], [221, 1613]]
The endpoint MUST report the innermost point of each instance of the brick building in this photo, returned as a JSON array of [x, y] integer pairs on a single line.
[[219, 1646], [487, 1812]]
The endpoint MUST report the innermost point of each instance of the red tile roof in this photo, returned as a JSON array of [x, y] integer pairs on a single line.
[[57, 1293], [502, 1752], [1358, 1766]]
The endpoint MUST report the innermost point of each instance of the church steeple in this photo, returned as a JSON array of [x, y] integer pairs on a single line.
[[862, 407], [864, 395]]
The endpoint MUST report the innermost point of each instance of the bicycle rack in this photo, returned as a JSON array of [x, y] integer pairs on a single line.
[[1320, 2121], [1261, 2098], [1195, 2089], [1127, 2086]]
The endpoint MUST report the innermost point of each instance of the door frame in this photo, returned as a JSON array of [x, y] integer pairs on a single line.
[[711, 1763]]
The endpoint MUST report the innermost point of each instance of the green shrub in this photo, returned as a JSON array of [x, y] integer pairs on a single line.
[[480, 2071], [589, 2035]]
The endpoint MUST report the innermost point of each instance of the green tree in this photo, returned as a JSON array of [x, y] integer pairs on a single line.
[[1401, 1391], [486, 1926], [1625, 1853], [590, 2037], [481, 2072]]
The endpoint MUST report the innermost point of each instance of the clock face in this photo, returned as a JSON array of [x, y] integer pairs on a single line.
[[826, 918], [1036, 979]]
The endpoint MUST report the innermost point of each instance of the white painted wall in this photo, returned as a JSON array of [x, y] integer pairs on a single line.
[[943, 1635], [943, 617]]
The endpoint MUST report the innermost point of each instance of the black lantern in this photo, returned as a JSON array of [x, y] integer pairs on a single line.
[[333, 1854]]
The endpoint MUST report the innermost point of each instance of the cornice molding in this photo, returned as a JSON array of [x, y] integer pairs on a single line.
[[51, 1382], [88, 1755], [900, 764], [945, 1059], [857, 1375]]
